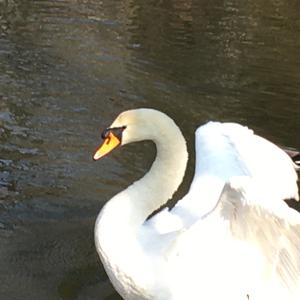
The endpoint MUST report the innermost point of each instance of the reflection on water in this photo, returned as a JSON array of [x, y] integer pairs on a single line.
[[67, 68]]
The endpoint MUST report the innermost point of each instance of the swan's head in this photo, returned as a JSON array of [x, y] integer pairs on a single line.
[[133, 126]]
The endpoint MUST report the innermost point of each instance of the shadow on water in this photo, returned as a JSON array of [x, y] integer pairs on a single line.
[[67, 68]]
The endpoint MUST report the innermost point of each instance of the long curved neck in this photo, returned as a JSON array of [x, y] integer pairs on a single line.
[[159, 184], [133, 205], [121, 218]]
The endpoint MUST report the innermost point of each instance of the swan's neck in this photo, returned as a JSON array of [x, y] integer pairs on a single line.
[[132, 206], [121, 218]]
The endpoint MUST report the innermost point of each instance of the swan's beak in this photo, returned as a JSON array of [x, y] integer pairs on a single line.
[[110, 143]]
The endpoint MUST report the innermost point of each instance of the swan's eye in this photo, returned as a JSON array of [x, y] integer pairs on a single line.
[[116, 131]]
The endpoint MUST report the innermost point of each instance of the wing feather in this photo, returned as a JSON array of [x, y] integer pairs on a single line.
[[273, 231], [226, 150]]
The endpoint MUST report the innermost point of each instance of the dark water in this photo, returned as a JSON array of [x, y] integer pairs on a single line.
[[68, 67]]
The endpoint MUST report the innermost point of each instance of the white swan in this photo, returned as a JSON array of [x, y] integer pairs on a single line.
[[231, 237]]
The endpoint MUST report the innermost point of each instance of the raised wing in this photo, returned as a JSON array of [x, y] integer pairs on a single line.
[[273, 231], [226, 150]]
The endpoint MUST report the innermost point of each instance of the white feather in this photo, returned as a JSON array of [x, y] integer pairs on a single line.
[[232, 236]]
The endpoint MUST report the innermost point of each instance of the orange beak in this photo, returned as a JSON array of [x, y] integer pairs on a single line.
[[110, 143]]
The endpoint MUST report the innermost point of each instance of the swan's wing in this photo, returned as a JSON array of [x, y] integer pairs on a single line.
[[244, 246], [225, 150], [228, 149], [274, 231]]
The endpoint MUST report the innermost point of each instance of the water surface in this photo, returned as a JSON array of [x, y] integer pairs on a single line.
[[67, 68]]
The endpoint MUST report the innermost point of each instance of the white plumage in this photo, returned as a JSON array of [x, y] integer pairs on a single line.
[[231, 237]]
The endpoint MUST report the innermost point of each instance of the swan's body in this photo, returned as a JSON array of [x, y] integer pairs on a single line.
[[230, 237]]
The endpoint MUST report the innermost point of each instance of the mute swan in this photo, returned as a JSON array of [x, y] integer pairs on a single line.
[[231, 237]]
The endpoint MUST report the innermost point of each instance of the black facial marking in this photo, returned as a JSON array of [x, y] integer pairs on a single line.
[[105, 133], [117, 131]]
